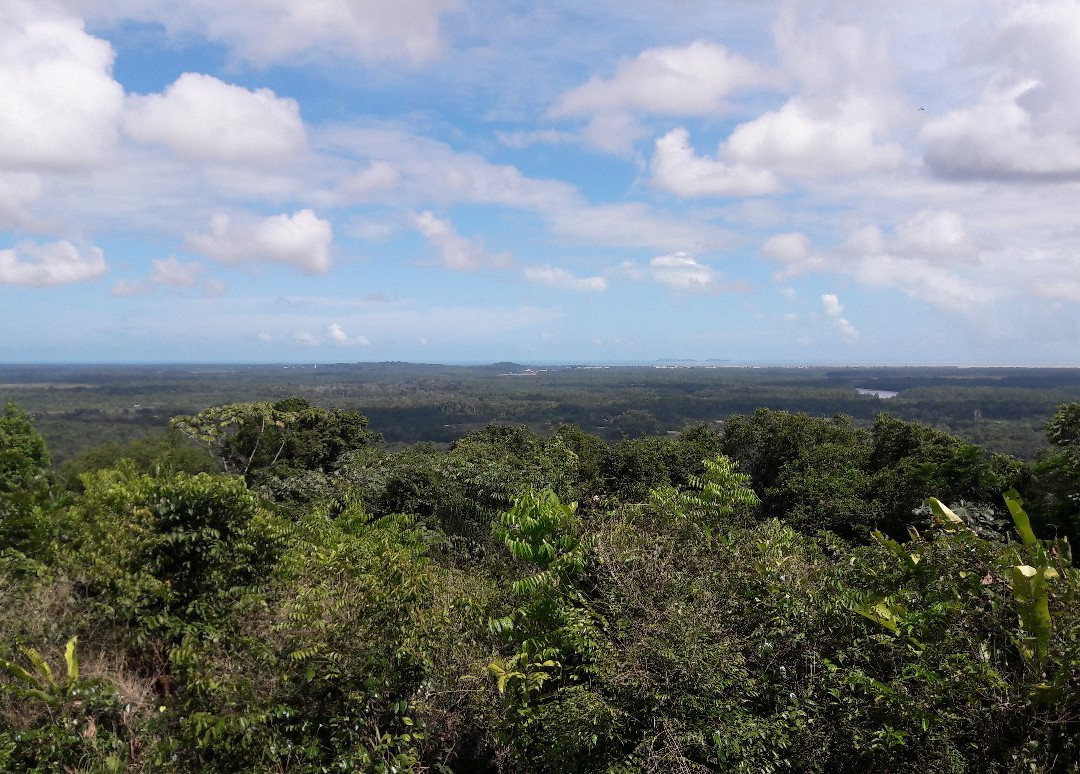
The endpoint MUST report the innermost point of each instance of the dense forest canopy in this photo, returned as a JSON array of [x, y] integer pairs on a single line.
[[270, 586], [78, 408]]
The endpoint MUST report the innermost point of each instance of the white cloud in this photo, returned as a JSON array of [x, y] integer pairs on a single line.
[[692, 80], [999, 137], [789, 248], [793, 250], [17, 190], [925, 282], [167, 272], [302, 240], [933, 233], [457, 252], [1026, 122], [847, 330], [805, 139], [834, 309], [123, 288], [269, 31], [561, 279], [432, 171], [339, 336], [61, 104], [204, 119], [378, 178], [631, 224], [55, 263], [337, 333], [306, 339], [676, 168], [265, 337], [175, 273], [681, 271], [831, 304], [1061, 290]]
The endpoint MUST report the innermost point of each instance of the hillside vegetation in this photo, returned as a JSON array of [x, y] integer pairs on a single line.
[[269, 586]]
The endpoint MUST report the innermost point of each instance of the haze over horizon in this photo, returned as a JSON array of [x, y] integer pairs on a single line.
[[470, 181]]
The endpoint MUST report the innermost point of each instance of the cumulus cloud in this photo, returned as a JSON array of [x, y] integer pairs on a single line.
[[55, 263], [933, 233], [302, 240], [561, 279], [835, 310], [793, 251], [17, 191], [924, 281], [677, 169], [175, 273], [168, 272], [693, 80], [338, 335], [307, 339], [1026, 122], [1001, 137], [204, 119], [789, 248], [838, 120], [455, 251], [919, 258], [379, 177], [806, 139], [831, 304], [681, 271], [61, 104]]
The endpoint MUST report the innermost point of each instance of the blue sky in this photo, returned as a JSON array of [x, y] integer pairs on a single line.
[[472, 180]]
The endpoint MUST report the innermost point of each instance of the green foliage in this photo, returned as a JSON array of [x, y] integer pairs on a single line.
[[551, 636], [719, 492], [65, 721], [1057, 474], [355, 608], [276, 439], [24, 487], [166, 552], [324, 669], [160, 453], [823, 474]]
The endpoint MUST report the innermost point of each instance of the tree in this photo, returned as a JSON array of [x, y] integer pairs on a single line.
[[24, 484], [1057, 474], [260, 440]]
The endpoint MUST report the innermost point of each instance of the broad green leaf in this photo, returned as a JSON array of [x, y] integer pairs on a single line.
[[42, 666], [71, 659], [945, 514], [18, 671], [1020, 517]]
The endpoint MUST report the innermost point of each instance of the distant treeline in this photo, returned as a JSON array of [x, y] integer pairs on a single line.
[[77, 407]]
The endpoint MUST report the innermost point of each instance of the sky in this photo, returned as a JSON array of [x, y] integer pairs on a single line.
[[805, 181]]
